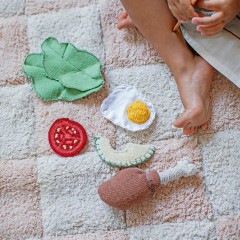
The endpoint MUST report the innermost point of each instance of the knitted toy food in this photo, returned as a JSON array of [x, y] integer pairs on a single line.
[[131, 186], [128, 108], [67, 137], [131, 155], [63, 72]]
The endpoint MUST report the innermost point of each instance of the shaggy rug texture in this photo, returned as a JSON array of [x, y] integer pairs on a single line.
[[47, 197]]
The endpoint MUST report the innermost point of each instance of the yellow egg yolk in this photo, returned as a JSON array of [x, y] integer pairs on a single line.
[[138, 112]]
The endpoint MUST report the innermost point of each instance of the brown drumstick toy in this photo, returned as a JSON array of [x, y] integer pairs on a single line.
[[132, 185]]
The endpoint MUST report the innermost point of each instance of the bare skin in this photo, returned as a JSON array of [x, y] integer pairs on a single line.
[[192, 73]]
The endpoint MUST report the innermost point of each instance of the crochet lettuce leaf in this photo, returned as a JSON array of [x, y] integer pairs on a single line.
[[62, 71]]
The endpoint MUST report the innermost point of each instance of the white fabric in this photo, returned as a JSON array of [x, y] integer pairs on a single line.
[[131, 155], [114, 107], [222, 50], [184, 168]]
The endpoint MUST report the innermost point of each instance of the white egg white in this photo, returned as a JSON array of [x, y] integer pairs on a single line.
[[114, 107]]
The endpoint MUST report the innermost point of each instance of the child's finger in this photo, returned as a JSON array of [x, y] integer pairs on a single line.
[[209, 4], [214, 19], [188, 10], [207, 31], [179, 15]]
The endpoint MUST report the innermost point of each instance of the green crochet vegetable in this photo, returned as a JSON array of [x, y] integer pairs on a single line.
[[62, 71]]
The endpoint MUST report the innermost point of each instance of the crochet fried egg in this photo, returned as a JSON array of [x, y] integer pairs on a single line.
[[128, 108]]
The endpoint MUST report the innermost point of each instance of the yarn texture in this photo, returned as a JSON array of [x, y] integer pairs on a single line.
[[131, 186], [138, 112], [62, 71], [128, 188], [131, 155], [184, 168]]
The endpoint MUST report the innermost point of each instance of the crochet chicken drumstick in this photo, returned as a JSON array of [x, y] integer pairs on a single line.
[[132, 185]]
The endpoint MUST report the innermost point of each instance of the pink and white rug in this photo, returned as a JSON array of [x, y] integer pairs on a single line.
[[47, 197]]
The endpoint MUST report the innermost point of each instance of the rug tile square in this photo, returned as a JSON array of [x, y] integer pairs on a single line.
[[174, 231], [69, 198], [36, 7], [228, 227], [20, 211], [12, 7], [16, 122], [225, 105], [13, 49], [126, 47], [79, 26], [99, 235], [221, 168], [177, 201], [86, 111], [159, 87]]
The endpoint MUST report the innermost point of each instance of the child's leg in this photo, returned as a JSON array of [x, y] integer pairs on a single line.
[[192, 73]]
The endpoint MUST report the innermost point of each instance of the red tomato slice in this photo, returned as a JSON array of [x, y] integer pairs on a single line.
[[66, 137]]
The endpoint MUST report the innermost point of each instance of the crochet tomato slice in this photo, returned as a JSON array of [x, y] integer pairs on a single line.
[[66, 137]]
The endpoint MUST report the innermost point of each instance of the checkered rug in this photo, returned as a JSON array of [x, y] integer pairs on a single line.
[[47, 197]]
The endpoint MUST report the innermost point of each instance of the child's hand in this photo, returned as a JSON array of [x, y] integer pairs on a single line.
[[182, 10], [226, 10]]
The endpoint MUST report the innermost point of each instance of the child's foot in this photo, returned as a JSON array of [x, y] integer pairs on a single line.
[[124, 21], [194, 86]]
